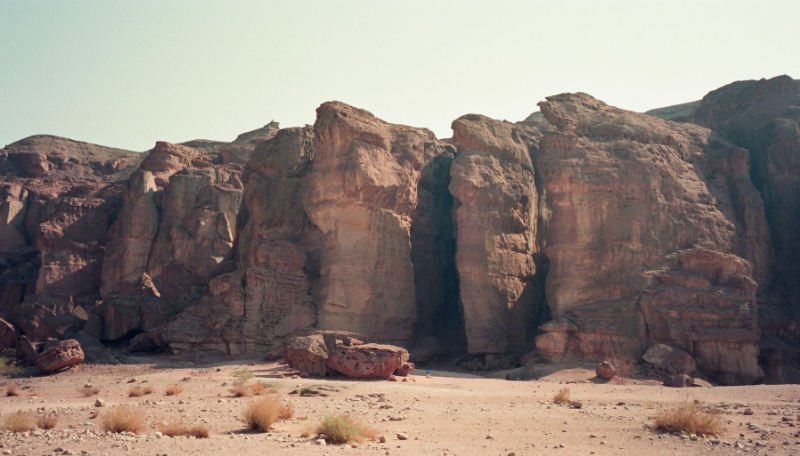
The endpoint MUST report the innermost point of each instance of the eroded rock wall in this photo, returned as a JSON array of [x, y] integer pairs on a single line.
[[362, 190], [633, 199]]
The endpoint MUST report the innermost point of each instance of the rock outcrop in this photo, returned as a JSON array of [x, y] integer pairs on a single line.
[[653, 236], [362, 190], [496, 206], [764, 118], [268, 295], [63, 354]]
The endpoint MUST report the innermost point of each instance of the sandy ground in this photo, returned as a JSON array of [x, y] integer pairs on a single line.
[[442, 414]]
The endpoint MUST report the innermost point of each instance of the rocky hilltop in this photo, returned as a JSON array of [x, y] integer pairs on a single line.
[[584, 231]]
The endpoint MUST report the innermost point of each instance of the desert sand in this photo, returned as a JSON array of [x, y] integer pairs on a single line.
[[441, 413]]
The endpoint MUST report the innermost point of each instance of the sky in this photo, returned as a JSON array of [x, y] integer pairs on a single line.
[[129, 73]]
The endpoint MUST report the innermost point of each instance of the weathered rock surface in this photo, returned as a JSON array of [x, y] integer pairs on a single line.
[[64, 354], [362, 190], [8, 335], [652, 227], [368, 360], [764, 118], [496, 219], [308, 354], [670, 360], [679, 381], [268, 295], [606, 370]]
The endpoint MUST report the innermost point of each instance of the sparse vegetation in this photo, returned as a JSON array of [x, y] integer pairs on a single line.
[[124, 418], [241, 376], [257, 389], [13, 390], [689, 418], [8, 367], [89, 391], [177, 429], [344, 429], [174, 390], [242, 391], [46, 422], [139, 391], [562, 396], [19, 422], [263, 413]]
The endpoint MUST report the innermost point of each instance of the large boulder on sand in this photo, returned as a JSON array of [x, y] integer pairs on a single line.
[[606, 370], [307, 354], [670, 359], [368, 360], [64, 354]]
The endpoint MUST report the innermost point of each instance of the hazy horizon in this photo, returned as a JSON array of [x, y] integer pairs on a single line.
[[129, 74]]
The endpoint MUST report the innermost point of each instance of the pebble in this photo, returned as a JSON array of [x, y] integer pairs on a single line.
[[401, 436]]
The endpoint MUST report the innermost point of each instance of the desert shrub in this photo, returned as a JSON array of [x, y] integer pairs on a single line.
[[19, 422], [124, 418], [174, 390], [138, 391], [257, 389], [88, 391], [46, 421], [241, 376], [263, 413], [13, 390], [689, 418], [8, 367], [177, 429], [562, 396], [242, 391], [344, 429]]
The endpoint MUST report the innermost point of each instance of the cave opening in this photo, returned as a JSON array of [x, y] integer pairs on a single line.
[[433, 255]]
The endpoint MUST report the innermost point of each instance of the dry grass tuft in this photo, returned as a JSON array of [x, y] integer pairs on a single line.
[[19, 422], [562, 396], [47, 421], [689, 418], [263, 413], [257, 389], [89, 391], [138, 391], [124, 418], [177, 429], [13, 390], [242, 391], [174, 390], [344, 429]]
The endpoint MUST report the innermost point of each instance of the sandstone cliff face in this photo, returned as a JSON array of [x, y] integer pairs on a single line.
[[268, 295], [496, 218], [175, 229], [362, 190], [636, 203], [764, 117], [59, 198]]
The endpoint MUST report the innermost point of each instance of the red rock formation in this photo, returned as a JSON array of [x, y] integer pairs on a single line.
[[64, 354], [648, 218], [361, 193], [764, 118], [496, 218], [368, 360], [267, 297]]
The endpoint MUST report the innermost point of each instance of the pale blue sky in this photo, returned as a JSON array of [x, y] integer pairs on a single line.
[[129, 73]]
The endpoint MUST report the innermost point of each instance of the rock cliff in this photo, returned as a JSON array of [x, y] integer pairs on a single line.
[[583, 231]]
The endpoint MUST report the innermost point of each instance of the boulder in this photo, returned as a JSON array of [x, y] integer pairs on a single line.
[[368, 360], [404, 370], [670, 360], [307, 354], [26, 351], [606, 370], [64, 354]]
